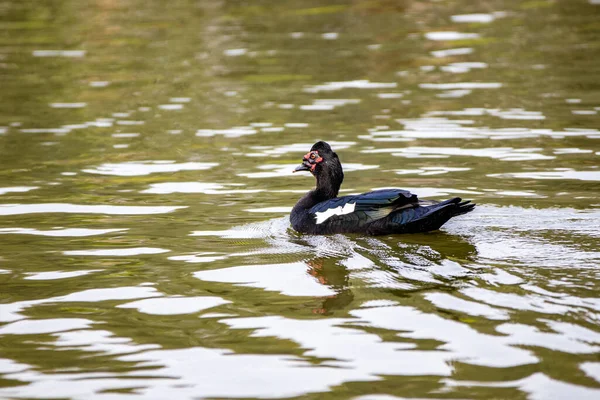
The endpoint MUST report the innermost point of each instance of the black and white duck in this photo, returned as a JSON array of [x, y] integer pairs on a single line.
[[380, 212]]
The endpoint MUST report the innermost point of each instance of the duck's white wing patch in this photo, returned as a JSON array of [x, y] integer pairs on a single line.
[[339, 210]]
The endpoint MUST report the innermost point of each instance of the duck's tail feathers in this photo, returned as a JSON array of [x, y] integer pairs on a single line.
[[437, 215], [463, 207]]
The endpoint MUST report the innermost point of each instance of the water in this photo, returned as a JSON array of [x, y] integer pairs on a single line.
[[146, 152]]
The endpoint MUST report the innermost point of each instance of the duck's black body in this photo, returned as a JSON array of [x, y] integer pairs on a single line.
[[380, 212]]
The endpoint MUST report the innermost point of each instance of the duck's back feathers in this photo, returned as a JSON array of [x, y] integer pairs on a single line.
[[354, 213], [379, 212]]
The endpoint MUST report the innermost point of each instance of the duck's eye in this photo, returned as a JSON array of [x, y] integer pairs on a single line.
[[312, 156]]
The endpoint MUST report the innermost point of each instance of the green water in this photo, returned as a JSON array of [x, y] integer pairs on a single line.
[[146, 151]]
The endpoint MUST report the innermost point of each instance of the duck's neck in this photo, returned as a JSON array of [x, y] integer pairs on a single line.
[[328, 186], [328, 183]]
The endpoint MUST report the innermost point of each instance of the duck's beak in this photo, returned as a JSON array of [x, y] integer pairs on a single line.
[[305, 166]]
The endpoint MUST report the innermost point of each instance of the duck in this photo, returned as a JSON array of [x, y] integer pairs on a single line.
[[379, 212]]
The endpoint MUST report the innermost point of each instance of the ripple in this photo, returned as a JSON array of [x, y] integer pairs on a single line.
[[448, 302], [171, 106], [430, 170], [556, 174], [230, 133], [199, 257], [566, 338], [11, 311], [17, 189], [473, 18], [591, 369], [499, 153], [289, 279], [358, 84], [270, 210], [134, 251], [328, 104], [289, 376], [175, 305], [148, 167], [537, 386], [59, 53], [461, 342], [514, 301], [278, 151], [41, 326], [235, 52], [67, 232], [461, 85], [16, 209], [450, 35], [462, 67], [99, 341], [68, 105], [280, 170], [362, 352], [452, 52], [104, 294], [197, 187], [52, 275]]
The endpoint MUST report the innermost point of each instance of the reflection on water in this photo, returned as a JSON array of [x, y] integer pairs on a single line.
[[147, 151]]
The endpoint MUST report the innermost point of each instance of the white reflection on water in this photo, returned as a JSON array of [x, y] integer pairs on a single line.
[[66, 232], [175, 305], [141, 168], [452, 52], [68, 105], [538, 387], [270, 210], [591, 369], [471, 18], [134, 251], [461, 85], [289, 279], [52, 275], [204, 257], [16, 209], [431, 126], [171, 106], [462, 67], [197, 187], [59, 53], [499, 153], [461, 341], [328, 104], [17, 189], [450, 35], [98, 341], [449, 302], [39, 326], [358, 84], [229, 133], [279, 170], [430, 170], [555, 174], [11, 311], [278, 151]]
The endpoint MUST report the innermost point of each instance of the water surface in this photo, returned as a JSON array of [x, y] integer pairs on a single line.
[[146, 152]]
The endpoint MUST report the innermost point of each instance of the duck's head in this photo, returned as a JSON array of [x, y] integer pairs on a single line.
[[325, 165]]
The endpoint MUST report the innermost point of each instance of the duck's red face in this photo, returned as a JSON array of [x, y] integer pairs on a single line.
[[309, 162]]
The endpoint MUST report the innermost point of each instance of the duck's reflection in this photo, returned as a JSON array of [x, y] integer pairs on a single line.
[[395, 264], [337, 278]]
